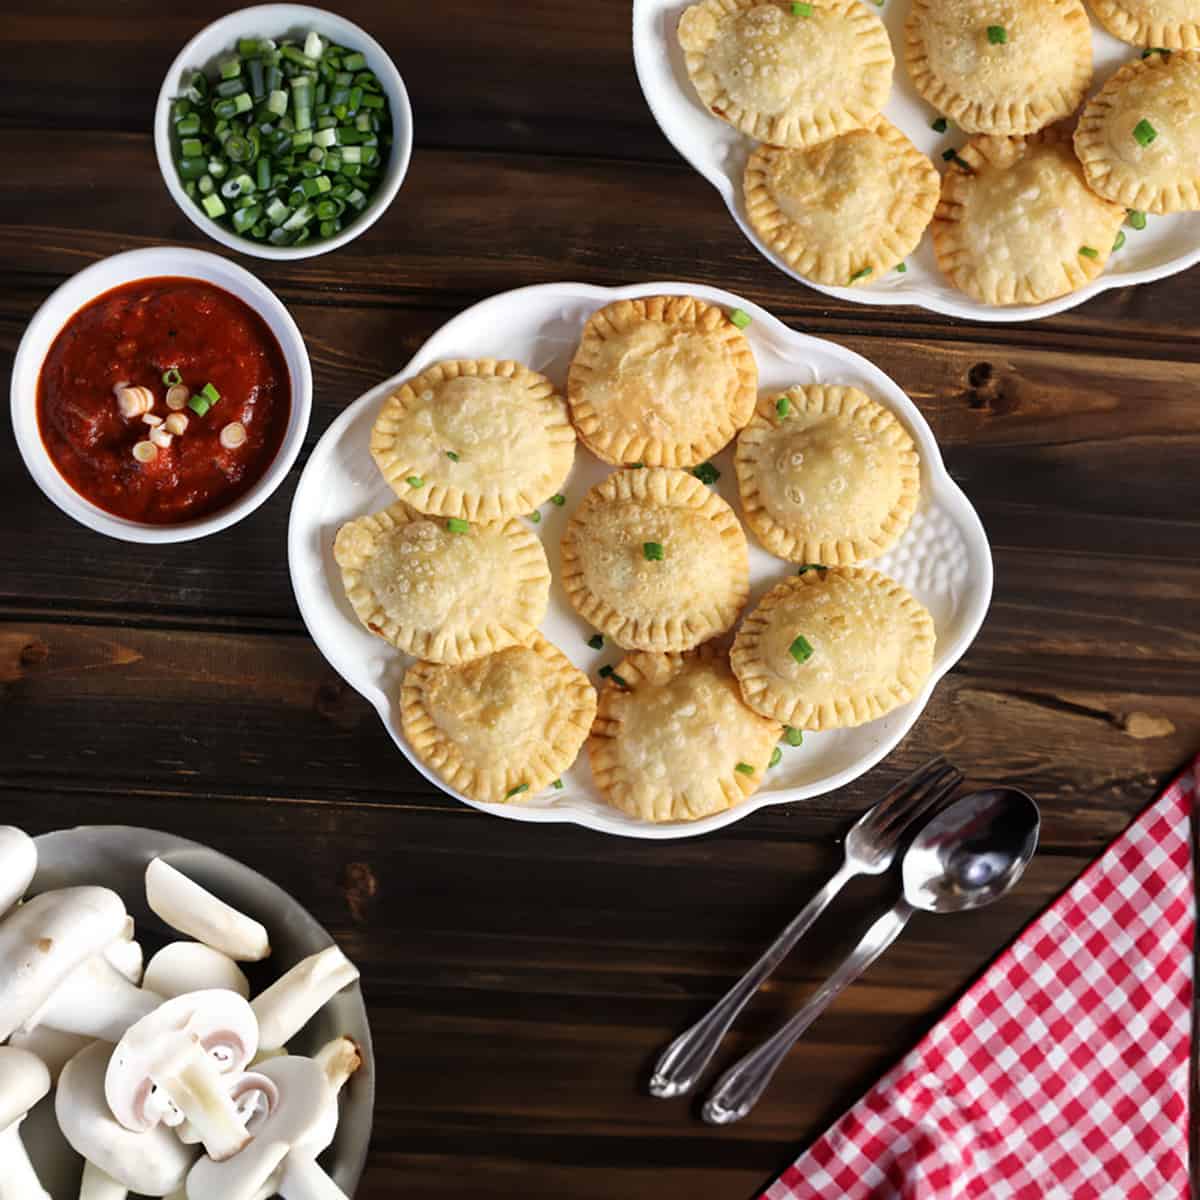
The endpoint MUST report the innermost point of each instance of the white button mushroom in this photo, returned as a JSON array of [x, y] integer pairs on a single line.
[[18, 863], [182, 967], [96, 1000], [280, 1152], [24, 1080], [45, 940], [52, 1046], [189, 908], [172, 1065], [151, 1163], [291, 1001]]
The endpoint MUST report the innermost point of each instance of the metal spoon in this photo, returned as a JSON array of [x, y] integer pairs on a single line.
[[969, 855]]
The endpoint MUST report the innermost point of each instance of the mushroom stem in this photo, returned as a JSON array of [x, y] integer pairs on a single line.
[[189, 908], [96, 1001], [126, 957], [99, 1185], [339, 1060], [294, 998], [18, 1179], [194, 1085], [302, 1179]]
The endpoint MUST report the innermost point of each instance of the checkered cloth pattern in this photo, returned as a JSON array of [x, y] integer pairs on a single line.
[[1063, 1073]]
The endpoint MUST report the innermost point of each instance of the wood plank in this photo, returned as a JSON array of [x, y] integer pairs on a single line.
[[514, 1034], [234, 715], [545, 219]]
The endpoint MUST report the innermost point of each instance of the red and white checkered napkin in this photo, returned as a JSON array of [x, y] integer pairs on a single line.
[[1063, 1072]]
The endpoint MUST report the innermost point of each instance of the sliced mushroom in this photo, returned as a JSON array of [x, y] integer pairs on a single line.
[[45, 940], [96, 1001], [182, 967], [172, 1065], [152, 1163], [186, 906], [18, 865], [24, 1080], [291, 1001], [280, 1153]]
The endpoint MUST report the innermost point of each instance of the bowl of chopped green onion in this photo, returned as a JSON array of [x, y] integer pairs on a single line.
[[283, 131]]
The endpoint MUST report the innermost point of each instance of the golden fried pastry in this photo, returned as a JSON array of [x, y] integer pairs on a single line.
[[477, 439], [846, 211], [665, 381], [830, 649], [1017, 223], [1139, 136], [826, 475], [502, 727], [1170, 24], [1000, 66], [655, 560], [673, 740], [790, 74], [442, 588]]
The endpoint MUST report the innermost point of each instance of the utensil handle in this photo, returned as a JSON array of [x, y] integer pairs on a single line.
[[686, 1057], [738, 1090]]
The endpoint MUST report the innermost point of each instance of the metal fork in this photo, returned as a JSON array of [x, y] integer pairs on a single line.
[[870, 849]]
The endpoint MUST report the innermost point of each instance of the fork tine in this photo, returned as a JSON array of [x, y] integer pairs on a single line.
[[901, 791], [926, 805]]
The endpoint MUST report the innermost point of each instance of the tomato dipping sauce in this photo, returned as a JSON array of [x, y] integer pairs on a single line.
[[133, 336]]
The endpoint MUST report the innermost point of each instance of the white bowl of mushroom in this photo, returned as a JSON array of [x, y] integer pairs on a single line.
[[133, 1040]]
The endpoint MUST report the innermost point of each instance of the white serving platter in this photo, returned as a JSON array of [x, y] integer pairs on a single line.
[[943, 558], [1169, 244]]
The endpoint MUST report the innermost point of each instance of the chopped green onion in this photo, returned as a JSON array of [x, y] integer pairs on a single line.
[[452, 455], [740, 318], [861, 274], [744, 769], [608, 673], [1137, 219], [809, 567], [558, 499], [997, 35], [172, 377], [596, 641], [902, 268], [277, 102], [210, 393], [191, 147], [801, 10], [212, 206], [783, 405], [1156, 50], [940, 125], [706, 473], [199, 405], [353, 62], [1144, 132], [800, 649], [792, 735], [414, 481], [558, 783], [1089, 252], [636, 466], [1119, 242], [458, 525], [653, 551], [535, 516], [516, 791], [776, 755], [953, 156]]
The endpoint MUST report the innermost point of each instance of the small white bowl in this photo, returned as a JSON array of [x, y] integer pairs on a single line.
[[277, 21], [102, 277]]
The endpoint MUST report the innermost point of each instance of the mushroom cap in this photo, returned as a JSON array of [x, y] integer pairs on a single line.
[[24, 1080], [220, 1021], [152, 1163], [300, 1116], [18, 865], [52, 1046], [43, 941], [182, 967]]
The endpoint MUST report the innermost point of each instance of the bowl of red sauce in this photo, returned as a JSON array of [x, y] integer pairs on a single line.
[[161, 395]]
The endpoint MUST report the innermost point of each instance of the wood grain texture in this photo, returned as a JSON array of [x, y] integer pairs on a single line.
[[521, 978]]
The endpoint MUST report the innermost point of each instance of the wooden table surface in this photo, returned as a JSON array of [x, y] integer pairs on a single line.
[[521, 977]]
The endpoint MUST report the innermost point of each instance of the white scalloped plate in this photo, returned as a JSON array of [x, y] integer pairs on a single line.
[[1167, 246], [944, 557]]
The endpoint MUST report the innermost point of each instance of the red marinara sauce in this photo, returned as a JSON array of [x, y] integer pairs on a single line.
[[133, 335]]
